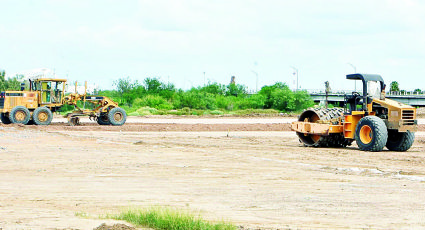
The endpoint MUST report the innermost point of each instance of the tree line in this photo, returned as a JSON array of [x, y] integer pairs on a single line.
[[159, 96], [394, 87], [154, 93], [13, 83]]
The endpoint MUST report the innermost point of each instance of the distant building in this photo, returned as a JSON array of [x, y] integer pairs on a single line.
[[233, 80]]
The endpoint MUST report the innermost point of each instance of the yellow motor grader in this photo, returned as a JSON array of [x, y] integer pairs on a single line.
[[371, 119], [40, 97]]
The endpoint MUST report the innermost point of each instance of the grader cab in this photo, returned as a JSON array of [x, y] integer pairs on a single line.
[[370, 119], [40, 97]]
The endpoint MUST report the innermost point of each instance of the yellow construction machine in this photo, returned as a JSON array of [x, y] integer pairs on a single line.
[[371, 119], [40, 97]]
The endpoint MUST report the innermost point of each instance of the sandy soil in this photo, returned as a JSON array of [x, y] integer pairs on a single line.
[[258, 179]]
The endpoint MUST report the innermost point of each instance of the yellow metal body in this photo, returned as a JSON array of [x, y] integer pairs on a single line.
[[42, 92], [316, 128], [401, 117], [101, 104], [49, 92]]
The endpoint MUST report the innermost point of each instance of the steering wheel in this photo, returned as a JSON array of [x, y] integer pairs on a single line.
[[356, 94]]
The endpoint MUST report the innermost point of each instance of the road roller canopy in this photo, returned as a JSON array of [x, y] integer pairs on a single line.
[[373, 84], [365, 77]]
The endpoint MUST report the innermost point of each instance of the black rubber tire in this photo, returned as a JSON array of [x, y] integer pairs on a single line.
[[19, 110], [400, 141], [103, 119], [42, 116], [4, 119], [117, 116], [379, 134]]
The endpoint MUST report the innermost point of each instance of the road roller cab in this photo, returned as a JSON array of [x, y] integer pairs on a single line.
[[373, 87], [369, 118]]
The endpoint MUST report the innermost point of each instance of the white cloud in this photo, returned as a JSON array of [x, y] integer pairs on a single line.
[[182, 39]]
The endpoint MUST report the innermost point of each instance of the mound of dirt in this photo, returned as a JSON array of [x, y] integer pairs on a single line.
[[114, 227], [420, 112]]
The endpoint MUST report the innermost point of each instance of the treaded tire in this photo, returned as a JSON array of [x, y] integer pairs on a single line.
[[4, 119], [19, 115], [42, 116], [378, 134], [103, 119], [117, 116], [400, 141]]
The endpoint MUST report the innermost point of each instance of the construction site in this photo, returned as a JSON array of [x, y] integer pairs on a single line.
[[252, 172], [360, 166], [218, 115]]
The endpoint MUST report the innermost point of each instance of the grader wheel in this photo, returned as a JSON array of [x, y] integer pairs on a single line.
[[42, 116], [19, 115], [4, 118], [73, 121], [117, 116], [103, 119]]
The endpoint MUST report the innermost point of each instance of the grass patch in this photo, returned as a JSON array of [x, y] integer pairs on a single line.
[[170, 219], [82, 214]]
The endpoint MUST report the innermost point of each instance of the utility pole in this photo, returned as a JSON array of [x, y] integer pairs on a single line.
[[327, 90], [296, 72], [204, 78]]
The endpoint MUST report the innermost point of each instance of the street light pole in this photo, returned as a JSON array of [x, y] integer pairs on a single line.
[[296, 72], [256, 81], [355, 71]]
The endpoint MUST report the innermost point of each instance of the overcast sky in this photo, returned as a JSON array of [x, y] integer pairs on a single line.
[[178, 41]]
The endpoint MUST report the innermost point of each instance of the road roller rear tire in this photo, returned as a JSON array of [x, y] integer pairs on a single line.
[[371, 134], [400, 141]]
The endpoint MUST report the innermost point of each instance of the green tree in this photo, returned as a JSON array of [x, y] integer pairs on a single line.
[[214, 88], [394, 87], [13, 83], [167, 91], [3, 83], [152, 85], [302, 100], [236, 90], [417, 91], [283, 99], [124, 87], [267, 91]]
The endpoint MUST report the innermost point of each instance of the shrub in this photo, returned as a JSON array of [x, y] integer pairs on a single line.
[[144, 111], [153, 101]]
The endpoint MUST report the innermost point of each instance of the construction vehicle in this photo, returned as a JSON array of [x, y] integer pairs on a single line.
[[40, 97], [370, 119]]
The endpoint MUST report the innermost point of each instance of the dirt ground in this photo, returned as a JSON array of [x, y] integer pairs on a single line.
[[255, 175]]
